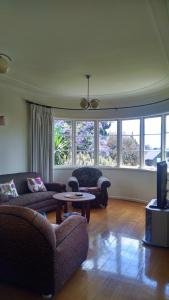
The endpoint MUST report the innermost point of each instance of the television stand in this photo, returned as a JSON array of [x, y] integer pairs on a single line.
[[157, 225]]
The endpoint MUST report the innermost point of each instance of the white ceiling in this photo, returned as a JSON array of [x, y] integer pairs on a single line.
[[124, 44]]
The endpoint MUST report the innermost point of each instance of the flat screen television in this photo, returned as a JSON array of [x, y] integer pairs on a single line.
[[162, 185]]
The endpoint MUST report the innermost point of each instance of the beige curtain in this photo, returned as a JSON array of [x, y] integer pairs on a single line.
[[41, 141]]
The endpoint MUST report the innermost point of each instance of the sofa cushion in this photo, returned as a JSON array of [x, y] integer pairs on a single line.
[[92, 190], [36, 185], [5, 198], [9, 188], [28, 199]]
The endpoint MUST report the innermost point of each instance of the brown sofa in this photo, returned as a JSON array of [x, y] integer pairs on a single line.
[[41, 201], [37, 255]]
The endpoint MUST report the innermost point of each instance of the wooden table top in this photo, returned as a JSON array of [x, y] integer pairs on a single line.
[[73, 197]]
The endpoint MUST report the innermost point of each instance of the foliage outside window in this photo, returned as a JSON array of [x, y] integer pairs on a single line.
[[131, 143], [152, 141], [108, 143]]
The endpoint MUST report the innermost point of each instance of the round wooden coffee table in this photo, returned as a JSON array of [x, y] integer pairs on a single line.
[[63, 198]]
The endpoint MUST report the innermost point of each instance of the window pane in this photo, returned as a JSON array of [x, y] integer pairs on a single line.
[[152, 125], [152, 141], [85, 143], [84, 158], [130, 150], [108, 143], [62, 142], [84, 127], [130, 127], [131, 143]]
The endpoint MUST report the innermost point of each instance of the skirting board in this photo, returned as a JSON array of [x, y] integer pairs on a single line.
[[128, 199]]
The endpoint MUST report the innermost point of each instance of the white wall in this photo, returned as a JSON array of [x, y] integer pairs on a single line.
[[13, 136], [126, 184]]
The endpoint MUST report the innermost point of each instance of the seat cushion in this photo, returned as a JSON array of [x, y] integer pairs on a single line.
[[92, 190], [30, 198]]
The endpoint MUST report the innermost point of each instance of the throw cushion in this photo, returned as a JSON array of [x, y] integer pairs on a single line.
[[36, 185], [9, 189]]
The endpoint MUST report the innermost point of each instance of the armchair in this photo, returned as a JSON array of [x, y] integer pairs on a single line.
[[90, 180], [37, 255]]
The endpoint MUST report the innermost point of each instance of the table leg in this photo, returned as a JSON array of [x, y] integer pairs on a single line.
[[65, 207], [83, 209], [88, 211], [58, 213]]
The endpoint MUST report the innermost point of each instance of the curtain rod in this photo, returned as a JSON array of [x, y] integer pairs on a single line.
[[95, 109]]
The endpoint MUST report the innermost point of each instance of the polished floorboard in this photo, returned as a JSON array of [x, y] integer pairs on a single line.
[[119, 266]]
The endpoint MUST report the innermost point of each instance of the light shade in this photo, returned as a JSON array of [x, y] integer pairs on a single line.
[[4, 63]]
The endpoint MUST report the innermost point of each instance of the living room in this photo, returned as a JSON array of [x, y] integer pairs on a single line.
[[124, 47]]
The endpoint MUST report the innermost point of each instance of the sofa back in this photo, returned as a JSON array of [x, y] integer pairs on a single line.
[[20, 180]]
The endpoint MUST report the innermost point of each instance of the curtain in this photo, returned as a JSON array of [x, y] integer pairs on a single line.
[[41, 141]]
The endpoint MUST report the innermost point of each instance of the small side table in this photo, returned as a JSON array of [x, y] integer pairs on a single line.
[[73, 197]]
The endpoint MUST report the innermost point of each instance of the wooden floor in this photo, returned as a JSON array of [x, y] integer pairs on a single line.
[[119, 265]]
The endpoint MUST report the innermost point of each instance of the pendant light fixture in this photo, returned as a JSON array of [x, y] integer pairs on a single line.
[[86, 103]]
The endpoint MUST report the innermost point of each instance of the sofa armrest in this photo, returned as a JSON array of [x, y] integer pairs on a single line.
[[71, 248], [69, 227], [103, 183], [56, 187], [73, 183]]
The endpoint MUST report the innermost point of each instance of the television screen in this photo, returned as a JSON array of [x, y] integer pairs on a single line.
[[162, 185]]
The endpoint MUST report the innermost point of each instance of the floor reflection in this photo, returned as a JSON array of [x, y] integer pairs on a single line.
[[129, 259]]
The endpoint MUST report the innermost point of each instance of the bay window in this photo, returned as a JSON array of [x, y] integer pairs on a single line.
[[139, 142]]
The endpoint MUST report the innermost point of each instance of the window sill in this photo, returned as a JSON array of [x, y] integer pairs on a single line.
[[122, 168]]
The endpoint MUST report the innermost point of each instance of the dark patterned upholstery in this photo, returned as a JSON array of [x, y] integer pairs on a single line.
[[87, 179], [39, 200], [36, 255]]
